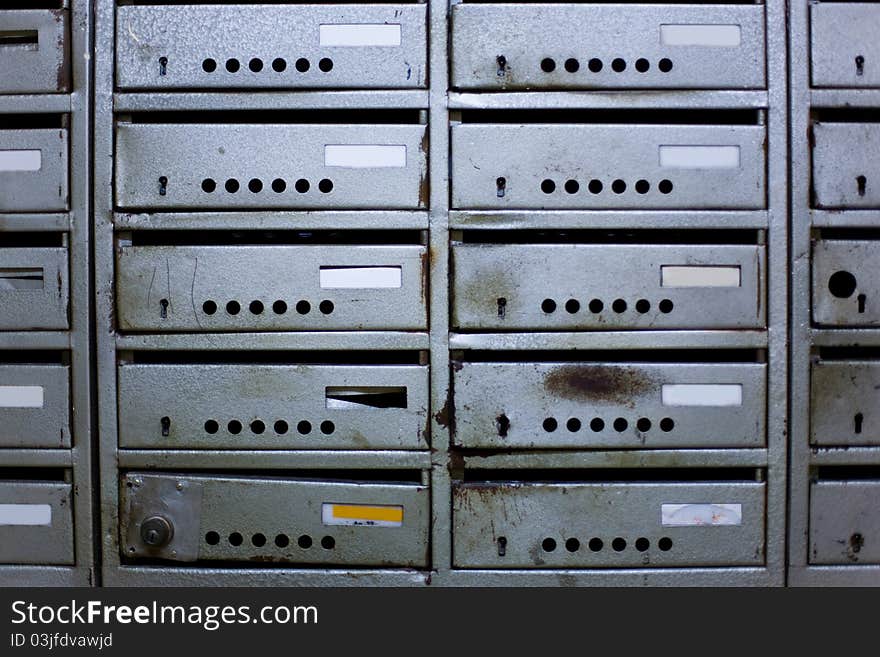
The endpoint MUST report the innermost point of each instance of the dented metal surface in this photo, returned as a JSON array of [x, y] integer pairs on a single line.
[[35, 51]]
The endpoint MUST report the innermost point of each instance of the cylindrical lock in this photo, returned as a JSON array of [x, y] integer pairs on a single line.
[[156, 531]]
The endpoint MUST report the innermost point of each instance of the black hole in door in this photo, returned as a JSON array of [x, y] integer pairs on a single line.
[[842, 284]]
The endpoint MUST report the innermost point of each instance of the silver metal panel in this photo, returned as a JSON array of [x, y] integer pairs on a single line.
[[231, 406], [502, 166], [166, 166], [50, 544], [613, 405], [589, 525], [43, 420], [845, 402], [241, 46], [238, 288], [846, 287], [34, 51], [845, 165], [34, 289], [35, 190], [583, 41], [277, 520], [844, 522], [844, 48], [601, 286]]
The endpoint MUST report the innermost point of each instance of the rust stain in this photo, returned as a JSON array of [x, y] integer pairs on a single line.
[[618, 385], [443, 415], [62, 76]]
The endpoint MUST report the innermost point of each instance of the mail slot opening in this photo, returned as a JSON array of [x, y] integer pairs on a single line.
[[365, 397], [24, 39], [24, 278]]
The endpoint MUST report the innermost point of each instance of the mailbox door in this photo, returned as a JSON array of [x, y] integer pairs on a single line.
[[846, 285], [36, 523], [845, 165], [845, 402], [34, 406], [33, 289], [844, 522], [33, 47], [845, 51], [33, 170]]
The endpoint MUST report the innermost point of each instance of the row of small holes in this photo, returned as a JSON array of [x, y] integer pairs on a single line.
[[325, 185], [618, 65], [595, 186], [281, 540], [279, 307], [597, 424], [281, 427], [279, 65], [596, 306], [618, 544]]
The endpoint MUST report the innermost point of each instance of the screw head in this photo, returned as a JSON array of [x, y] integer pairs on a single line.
[[156, 531]]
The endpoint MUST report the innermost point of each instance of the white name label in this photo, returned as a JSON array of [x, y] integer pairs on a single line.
[[711, 36], [702, 394], [363, 278], [699, 276], [699, 157], [21, 397], [364, 156], [21, 160], [695, 515], [25, 515], [363, 34]]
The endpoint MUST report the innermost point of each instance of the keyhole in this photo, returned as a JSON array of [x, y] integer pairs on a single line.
[[500, 186], [166, 425], [860, 65], [163, 308], [163, 185], [861, 299], [163, 65], [503, 424], [502, 546], [501, 60], [502, 307], [858, 421], [861, 183]]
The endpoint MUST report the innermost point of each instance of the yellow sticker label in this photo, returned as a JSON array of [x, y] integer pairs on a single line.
[[362, 514]]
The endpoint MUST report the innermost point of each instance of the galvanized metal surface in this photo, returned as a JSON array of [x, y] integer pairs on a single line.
[[845, 162], [36, 55], [40, 189], [844, 51], [844, 407], [42, 531], [43, 420], [844, 522], [845, 283], [34, 288]]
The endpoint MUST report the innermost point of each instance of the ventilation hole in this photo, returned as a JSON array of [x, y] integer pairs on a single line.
[[550, 424], [643, 186], [256, 307], [572, 186], [572, 65], [665, 544], [548, 544], [211, 426], [303, 307], [643, 306], [212, 538], [643, 424], [642, 544], [259, 540], [618, 544], [595, 186], [326, 64], [234, 427], [665, 65], [666, 306], [232, 186], [304, 427], [667, 424], [280, 427], [209, 307], [548, 65], [618, 306], [548, 306], [573, 425], [282, 540], [572, 545], [618, 186], [328, 542], [597, 424], [209, 185], [842, 284], [596, 544], [279, 64], [618, 65], [548, 186], [595, 65], [304, 541], [665, 186], [236, 539], [256, 65], [326, 186], [255, 185], [209, 65], [233, 307], [620, 425], [596, 306], [279, 307], [572, 306], [302, 185], [326, 306], [232, 65], [642, 65], [327, 427], [258, 427], [278, 185]]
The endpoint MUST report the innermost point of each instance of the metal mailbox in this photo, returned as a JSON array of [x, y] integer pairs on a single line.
[[34, 406], [271, 166], [610, 405], [222, 518], [36, 523], [33, 51], [241, 46], [233, 406], [34, 290], [614, 524], [846, 159], [607, 286], [270, 288], [844, 522], [846, 283], [845, 402], [590, 46], [33, 170], [614, 166], [844, 49]]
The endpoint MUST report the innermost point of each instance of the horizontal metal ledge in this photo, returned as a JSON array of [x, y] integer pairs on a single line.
[[551, 219], [611, 340], [845, 218], [37, 458], [49, 576], [301, 341], [199, 459], [35, 340], [867, 337], [608, 577], [654, 458], [37, 223], [35, 104], [845, 455], [317, 220], [834, 575], [845, 97], [629, 99], [165, 576], [269, 100]]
